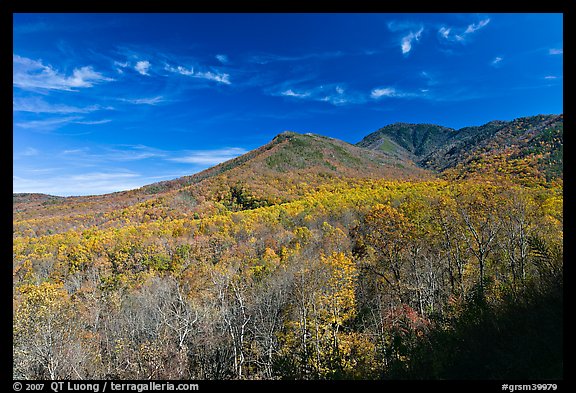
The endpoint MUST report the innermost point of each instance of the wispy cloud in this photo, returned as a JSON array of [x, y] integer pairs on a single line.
[[33, 74], [144, 101], [292, 93], [338, 95], [406, 42], [93, 122], [550, 77], [74, 151], [454, 34], [383, 92], [133, 153], [215, 76], [37, 105], [46, 124], [496, 62], [120, 66], [54, 123], [476, 26], [121, 153], [334, 94], [142, 67], [410, 32], [180, 70], [556, 51], [209, 157], [391, 92], [222, 59], [444, 31]]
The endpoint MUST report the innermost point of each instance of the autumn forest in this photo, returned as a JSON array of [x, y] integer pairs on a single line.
[[422, 252]]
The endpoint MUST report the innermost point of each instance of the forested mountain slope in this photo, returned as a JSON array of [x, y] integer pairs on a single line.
[[288, 167], [525, 147], [307, 258]]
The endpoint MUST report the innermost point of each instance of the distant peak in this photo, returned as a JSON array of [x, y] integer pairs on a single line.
[[284, 133]]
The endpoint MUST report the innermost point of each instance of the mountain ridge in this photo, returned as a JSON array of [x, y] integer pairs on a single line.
[[441, 148], [397, 150], [287, 168]]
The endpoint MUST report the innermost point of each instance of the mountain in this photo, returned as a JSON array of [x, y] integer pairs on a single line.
[[280, 171], [293, 158], [527, 150], [408, 140], [529, 143], [307, 258], [36, 198]]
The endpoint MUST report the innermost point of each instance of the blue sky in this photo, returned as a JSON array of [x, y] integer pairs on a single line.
[[109, 102]]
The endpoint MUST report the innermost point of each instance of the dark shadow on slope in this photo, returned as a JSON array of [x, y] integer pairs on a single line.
[[519, 337]]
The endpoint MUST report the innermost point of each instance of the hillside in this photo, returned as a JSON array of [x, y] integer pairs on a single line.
[[525, 150], [286, 168], [307, 258], [408, 140], [292, 164], [529, 147]]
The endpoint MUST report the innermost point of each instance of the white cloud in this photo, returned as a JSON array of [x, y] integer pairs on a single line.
[[556, 51], [120, 66], [550, 77], [476, 26], [132, 153], [220, 78], [209, 157], [213, 76], [338, 100], [142, 67], [180, 70], [33, 74], [333, 94], [122, 153], [412, 32], [406, 42], [144, 101], [37, 105], [47, 123], [447, 32], [383, 92], [222, 59], [444, 31], [75, 151], [497, 60], [53, 123], [93, 122], [292, 93]]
